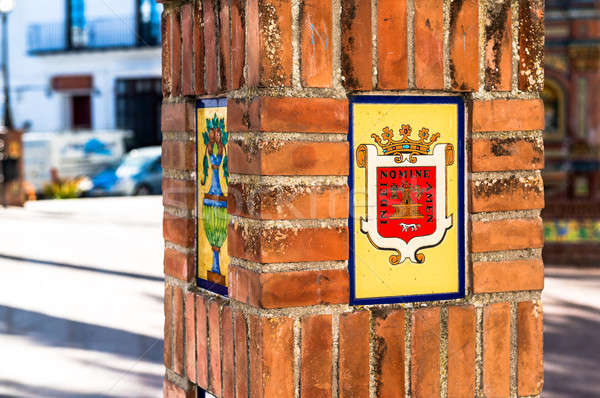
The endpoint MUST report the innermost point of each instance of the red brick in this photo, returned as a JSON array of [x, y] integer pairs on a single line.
[[504, 194], [271, 357], [190, 336], [505, 154], [354, 355], [175, 52], [429, 37], [315, 43], [499, 276], [275, 245], [389, 354], [241, 355], [425, 352], [179, 230], [531, 45], [464, 45], [269, 43], [210, 46], [530, 348], [201, 342], [224, 46], [179, 193], [280, 202], [498, 46], [180, 155], [507, 115], [491, 235], [178, 323], [316, 356], [171, 390], [303, 288], [168, 340], [461, 351], [289, 158], [187, 78], [198, 49], [166, 54], [227, 336], [178, 117], [179, 265], [238, 43], [214, 348], [496, 350], [356, 45], [392, 45]]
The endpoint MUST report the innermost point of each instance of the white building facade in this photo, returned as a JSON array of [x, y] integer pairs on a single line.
[[86, 65]]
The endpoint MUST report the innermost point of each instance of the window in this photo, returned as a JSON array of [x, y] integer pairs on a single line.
[[76, 23], [554, 111], [81, 112], [148, 17]]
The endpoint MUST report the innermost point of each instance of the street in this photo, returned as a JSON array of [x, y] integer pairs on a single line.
[[81, 311]]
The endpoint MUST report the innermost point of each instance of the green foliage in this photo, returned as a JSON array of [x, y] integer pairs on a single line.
[[62, 189], [204, 169]]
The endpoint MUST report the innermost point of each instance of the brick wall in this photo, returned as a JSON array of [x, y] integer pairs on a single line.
[[287, 68]]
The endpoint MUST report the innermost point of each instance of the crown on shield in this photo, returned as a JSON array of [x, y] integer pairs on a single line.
[[405, 145]]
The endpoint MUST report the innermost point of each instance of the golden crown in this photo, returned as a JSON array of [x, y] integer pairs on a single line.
[[405, 145]]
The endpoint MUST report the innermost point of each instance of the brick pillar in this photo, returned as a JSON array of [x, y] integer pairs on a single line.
[[291, 70]]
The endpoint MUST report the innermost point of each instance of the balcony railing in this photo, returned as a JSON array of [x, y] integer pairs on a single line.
[[98, 34]]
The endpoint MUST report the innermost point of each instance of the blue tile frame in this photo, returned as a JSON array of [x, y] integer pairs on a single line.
[[203, 283], [372, 99]]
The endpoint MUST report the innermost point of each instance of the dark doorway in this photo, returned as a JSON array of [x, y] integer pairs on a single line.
[[138, 110], [81, 112]]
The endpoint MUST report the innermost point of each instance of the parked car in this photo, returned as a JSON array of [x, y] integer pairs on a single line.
[[139, 173]]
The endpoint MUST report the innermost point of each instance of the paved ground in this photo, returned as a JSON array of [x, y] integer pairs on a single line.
[[81, 305]]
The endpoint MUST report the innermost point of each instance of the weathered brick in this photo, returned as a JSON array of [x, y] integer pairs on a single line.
[[214, 348], [504, 154], [498, 46], [429, 42], [201, 342], [392, 45], [496, 350], [509, 193], [187, 44], [354, 355], [315, 43], [178, 323], [303, 288], [464, 45], [316, 354], [269, 43], [238, 43], [227, 338], [165, 29], [271, 357], [224, 46], [356, 45], [241, 355], [491, 236], [210, 46], [280, 202], [507, 115], [461, 351], [389, 354], [425, 352], [178, 117], [179, 230], [171, 390], [275, 245], [175, 52], [530, 348], [168, 329], [190, 336], [180, 155], [288, 158], [531, 45], [499, 276], [198, 33], [179, 265], [179, 193]]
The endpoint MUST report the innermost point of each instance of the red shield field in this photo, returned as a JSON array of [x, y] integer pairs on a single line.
[[406, 201]]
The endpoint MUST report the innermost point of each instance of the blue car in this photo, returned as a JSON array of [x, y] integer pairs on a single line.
[[139, 173]]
